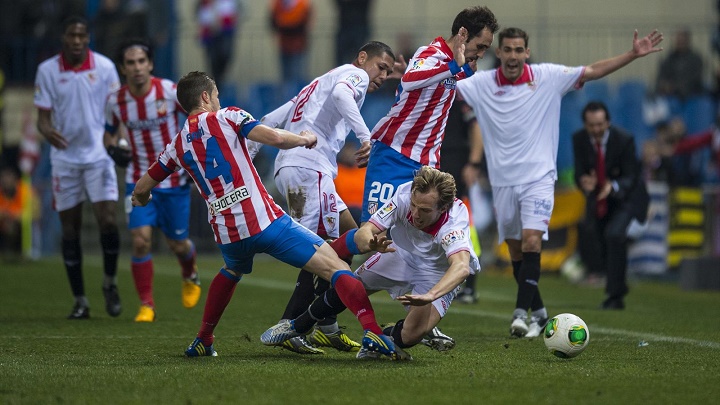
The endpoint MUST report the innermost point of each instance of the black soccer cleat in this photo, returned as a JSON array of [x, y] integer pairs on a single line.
[[112, 300]]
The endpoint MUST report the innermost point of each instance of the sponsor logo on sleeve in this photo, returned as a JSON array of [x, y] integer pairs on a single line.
[[354, 79], [452, 237], [386, 210]]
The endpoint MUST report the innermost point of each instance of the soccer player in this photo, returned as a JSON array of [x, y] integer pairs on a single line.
[[518, 108], [70, 93], [212, 148], [431, 256], [411, 134], [329, 106], [148, 109]]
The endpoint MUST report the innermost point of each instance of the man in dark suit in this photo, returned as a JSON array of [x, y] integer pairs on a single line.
[[607, 170]]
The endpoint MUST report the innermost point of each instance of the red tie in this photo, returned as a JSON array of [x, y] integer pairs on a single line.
[[601, 208]]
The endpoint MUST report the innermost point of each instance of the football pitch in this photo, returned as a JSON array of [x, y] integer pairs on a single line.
[[664, 348]]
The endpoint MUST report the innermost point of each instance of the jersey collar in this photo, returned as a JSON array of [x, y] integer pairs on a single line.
[[88, 64], [527, 76], [440, 41]]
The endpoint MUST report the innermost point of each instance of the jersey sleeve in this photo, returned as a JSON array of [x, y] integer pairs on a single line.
[[242, 121], [454, 236], [278, 117], [424, 69], [565, 78], [346, 93], [112, 121], [43, 89]]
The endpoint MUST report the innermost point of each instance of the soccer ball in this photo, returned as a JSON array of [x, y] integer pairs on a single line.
[[566, 335]]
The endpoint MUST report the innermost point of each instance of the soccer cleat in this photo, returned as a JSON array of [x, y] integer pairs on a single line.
[[79, 312], [191, 292], [518, 327], [145, 314], [198, 349], [366, 354], [112, 300], [298, 344], [536, 327], [437, 340], [339, 340], [279, 333], [381, 344]]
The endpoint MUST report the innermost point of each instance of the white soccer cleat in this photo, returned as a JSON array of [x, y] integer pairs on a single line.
[[518, 327], [279, 333]]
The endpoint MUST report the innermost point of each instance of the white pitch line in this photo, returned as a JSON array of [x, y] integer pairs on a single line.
[[385, 300]]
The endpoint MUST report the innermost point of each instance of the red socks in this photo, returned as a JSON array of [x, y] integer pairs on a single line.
[[353, 295], [219, 294], [187, 263], [142, 271]]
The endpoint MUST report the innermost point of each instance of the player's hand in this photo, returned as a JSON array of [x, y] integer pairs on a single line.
[[362, 155], [310, 139], [381, 244], [647, 44], [588, 182], [459, 49], [56, 139], [415, 300], [473, 64], [121, 156], [605, 192], [398, 68], [140, 200]]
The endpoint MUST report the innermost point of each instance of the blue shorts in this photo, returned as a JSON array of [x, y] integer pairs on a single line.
[[168, 210], [386, 170], [284, 239]]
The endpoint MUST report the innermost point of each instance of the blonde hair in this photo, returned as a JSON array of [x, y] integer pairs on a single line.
[[428, 179]]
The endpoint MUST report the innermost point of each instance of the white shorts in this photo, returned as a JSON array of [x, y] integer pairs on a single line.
[[380, 271], [312, 199], [526, 206], [71, 182]]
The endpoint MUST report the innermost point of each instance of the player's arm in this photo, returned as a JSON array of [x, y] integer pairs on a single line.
[[46, 129], [278, 117], [281, 138], [454, 276], [344, 97], [641, 47], [367, 239]]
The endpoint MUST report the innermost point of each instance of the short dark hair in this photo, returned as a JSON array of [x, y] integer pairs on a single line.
[[475, 19], [595, 106], [131, 43], [74, 19], [377, 48], [513, 32], [190, 88]]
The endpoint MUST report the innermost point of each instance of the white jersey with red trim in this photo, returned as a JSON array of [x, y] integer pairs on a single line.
[[77, 99], [315, 110], [151, 121], [426, 250], [211, 147], [415, 124], [520, 122]]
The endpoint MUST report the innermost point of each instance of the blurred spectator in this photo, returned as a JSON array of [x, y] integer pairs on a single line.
[[353, 29], [607, 171], [291, 20], [681, 72], [16, 197], [218, 20], [110, 26]]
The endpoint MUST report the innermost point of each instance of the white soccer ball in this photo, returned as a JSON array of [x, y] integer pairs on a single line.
[[566, 335]]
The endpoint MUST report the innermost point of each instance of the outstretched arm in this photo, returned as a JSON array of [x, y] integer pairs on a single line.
[[641, 47], [454, 276]]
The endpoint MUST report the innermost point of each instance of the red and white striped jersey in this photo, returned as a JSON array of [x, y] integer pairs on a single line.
[[212, 148], [415, 125], [151, 121]]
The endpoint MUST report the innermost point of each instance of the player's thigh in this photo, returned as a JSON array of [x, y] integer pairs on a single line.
[[386, 170], [101, 181], [536, 204], [139, 216], [507, 213], [67, 186], [382, 272], [173, 211]]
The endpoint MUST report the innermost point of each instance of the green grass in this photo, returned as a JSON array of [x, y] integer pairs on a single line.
[[47, 359]]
